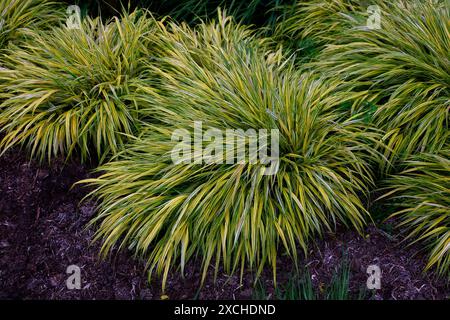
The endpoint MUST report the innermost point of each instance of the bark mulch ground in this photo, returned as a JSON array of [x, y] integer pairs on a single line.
[[42, 232]]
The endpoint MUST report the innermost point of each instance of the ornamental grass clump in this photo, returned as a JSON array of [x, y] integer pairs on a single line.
[[18, 16], [421, 193], [234, 213], [404, 69], [76, 89]]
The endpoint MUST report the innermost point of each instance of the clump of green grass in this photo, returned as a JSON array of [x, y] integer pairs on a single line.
[[76, 89], [18, 16], [339, 288], [300, 287], [404, 69], [421, 194], [234, 214]]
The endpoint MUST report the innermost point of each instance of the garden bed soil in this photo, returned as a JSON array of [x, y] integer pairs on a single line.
[[43, 231]]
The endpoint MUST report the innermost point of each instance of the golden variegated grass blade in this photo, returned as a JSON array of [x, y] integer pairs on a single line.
[[17, 16]]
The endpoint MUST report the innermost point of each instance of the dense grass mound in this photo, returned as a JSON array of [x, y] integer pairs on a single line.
[[422, 193], [235, 213], [76, 89], [17, 16], [404, 68]]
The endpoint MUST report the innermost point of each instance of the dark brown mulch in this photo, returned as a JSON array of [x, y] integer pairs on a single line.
[[42, 232]]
